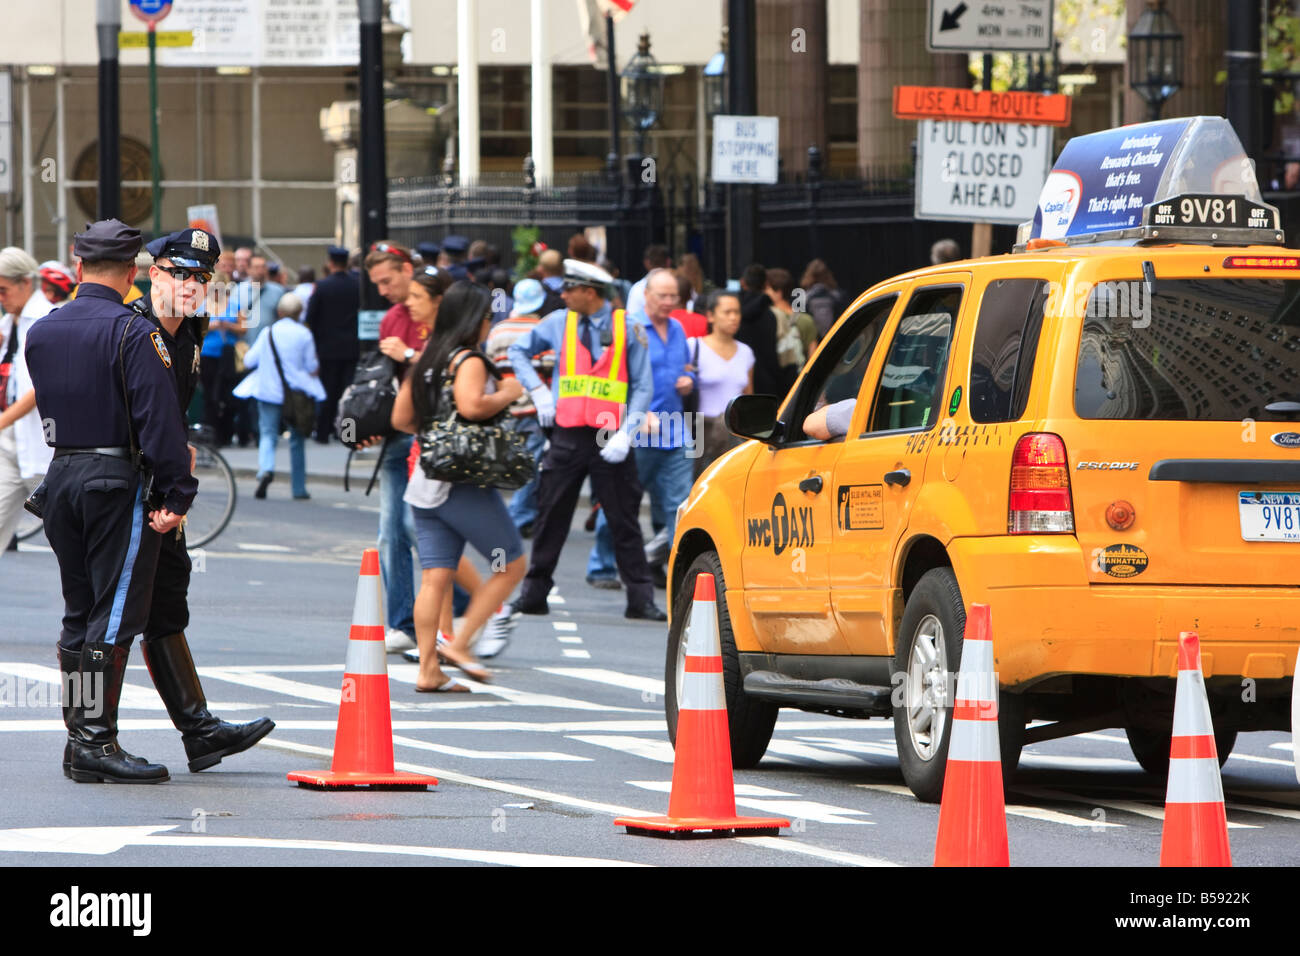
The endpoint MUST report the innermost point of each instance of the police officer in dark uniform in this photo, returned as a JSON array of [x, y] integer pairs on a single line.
[[120, 480], [182, 267]]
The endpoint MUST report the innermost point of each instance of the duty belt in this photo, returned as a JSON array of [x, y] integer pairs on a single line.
[[115, 451]]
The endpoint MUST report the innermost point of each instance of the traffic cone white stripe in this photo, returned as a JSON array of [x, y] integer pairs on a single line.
[[1193, 719], [368, 610], [703, 692], [1194, 781], [703, 641], [977, 679], [366, 657], [973, 741]]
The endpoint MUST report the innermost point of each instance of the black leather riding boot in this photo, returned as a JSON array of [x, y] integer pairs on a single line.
[[96, 756], [207, 739], [70, 686]]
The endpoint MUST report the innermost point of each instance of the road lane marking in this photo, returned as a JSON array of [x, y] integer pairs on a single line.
[[406, 673], [657, 750], [331, 695], [267, 548], [486, 754], [569, 640], [100, 841], [565, 625], [601, 675], [1124, 806], [579, 655], [784, 844], [794, 809], [884, 749], [1015, 809], [804, 753], [1270, 811], [133, 697]]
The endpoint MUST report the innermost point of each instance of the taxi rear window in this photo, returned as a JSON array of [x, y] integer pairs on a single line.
[[1006, 339], [1192, 350]]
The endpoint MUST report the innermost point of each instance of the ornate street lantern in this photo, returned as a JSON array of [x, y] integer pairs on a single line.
[[1155, 57], [715, 83], [643, 91]]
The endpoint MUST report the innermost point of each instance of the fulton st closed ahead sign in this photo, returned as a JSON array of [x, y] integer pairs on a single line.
[[976, 171]]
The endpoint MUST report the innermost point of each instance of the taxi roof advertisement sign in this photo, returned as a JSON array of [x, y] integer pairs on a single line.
[[1103, 182]]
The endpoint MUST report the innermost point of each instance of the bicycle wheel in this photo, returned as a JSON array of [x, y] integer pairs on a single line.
[[29, 526], [215, 503]]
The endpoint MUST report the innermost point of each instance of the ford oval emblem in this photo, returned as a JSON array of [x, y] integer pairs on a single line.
[[1287, 439]]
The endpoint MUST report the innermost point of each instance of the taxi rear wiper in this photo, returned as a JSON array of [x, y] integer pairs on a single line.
[[1285, 408]]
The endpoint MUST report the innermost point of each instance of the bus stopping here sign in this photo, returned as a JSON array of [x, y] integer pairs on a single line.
[[973, 171]]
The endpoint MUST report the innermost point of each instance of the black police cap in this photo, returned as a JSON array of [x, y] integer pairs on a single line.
[[455, 245], [107, 239], [337, 252], [428, 251], [188, 248]]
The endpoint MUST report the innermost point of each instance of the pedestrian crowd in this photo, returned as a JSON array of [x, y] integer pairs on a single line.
[[621, 385]]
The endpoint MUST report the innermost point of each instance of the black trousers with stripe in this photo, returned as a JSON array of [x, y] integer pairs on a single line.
[[573, 455], [97, 526]]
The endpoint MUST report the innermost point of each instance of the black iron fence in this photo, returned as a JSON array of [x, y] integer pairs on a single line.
[[862, 228]]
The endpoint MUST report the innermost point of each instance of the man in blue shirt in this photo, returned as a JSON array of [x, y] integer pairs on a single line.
[[603, 387], [662, 443]]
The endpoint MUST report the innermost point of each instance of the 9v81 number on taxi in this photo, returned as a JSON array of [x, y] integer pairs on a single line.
[[1269, 515]]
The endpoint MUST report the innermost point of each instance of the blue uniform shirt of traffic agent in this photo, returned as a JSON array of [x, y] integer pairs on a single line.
[[549, 335], [668, 361], [91, 325]]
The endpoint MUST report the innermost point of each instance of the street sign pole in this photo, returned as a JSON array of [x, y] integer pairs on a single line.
[[108, 21], [155, 167]]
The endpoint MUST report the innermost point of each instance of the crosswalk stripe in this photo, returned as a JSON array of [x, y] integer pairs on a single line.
[[330, 695], [1124, 806], [783, 844], [601, 675], [406, 673], [1043, 814], [576, 654], [133, 697], [450, 751], [809, 810]]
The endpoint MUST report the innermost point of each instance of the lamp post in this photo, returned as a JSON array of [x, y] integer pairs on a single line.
[[1155, 57], [715, 82], [643, 92]]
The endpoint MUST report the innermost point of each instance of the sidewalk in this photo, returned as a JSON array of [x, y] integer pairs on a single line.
[[327, 463], [324, 462]]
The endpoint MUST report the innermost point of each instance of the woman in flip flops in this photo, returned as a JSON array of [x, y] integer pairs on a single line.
[[448, 515]]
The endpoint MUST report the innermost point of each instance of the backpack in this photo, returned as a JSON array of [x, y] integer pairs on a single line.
[[366, 407], [789, 344]]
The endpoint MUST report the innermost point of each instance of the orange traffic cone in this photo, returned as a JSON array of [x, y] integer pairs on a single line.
[[973, 816], [363, 743], [703, 798], [1196, 823]]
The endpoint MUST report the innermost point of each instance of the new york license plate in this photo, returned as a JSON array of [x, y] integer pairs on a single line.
[[1269, 515]]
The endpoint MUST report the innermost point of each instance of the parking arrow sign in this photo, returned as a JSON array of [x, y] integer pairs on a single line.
[[1020, 26], [951, 18]]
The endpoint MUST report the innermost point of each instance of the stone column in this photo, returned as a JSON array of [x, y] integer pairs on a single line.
[[467, 90], [892, 43], [792, 75]]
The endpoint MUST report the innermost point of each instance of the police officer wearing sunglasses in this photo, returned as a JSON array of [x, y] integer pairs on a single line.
[[179, 277], [120, 482]]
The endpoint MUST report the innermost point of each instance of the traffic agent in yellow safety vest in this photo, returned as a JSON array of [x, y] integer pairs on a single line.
[[592, 394]]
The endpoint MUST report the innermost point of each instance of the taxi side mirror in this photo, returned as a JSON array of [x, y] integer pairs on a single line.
[[754, 416]]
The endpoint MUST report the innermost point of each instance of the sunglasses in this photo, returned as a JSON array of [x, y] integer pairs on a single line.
[[391, 250], [571, 284], [201, 276]]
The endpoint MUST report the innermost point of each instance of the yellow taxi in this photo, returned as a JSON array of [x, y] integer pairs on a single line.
[[1097, 435]]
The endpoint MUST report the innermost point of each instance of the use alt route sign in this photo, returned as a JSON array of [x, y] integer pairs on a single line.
[[1013, 106], [984, 26]]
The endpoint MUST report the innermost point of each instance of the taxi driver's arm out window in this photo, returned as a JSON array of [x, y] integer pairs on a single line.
[[837, 376]]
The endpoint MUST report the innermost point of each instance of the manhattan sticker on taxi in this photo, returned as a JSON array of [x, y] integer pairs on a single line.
[[1122, 560], [161, 348]]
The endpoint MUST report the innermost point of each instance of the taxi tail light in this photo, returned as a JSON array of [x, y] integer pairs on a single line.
[[1040, 501]]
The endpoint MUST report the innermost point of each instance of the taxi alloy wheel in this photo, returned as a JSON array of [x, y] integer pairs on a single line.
[[927, 658], [750, 721], [925, 698]]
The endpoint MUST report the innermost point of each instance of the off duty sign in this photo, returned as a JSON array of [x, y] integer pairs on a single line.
[[979, 171]]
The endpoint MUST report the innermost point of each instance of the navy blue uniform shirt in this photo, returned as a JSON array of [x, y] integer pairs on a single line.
[[74, 365]]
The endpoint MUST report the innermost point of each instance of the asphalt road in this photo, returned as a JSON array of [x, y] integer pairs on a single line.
[[533, 767]]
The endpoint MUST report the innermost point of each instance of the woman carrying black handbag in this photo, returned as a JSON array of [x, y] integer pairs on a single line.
[[450, 513]]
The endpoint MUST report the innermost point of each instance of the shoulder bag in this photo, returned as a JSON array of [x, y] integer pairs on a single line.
[[691, 400], [488, 453], [299, 408]]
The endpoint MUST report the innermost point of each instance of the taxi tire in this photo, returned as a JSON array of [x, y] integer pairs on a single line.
[[937, 594], [1150, 747], [750, 721]]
